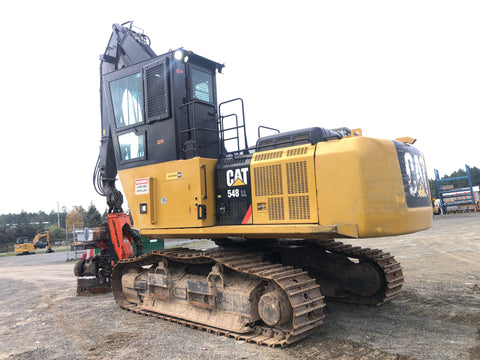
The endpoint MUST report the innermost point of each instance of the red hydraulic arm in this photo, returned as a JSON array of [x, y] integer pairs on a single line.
[[121, 240]]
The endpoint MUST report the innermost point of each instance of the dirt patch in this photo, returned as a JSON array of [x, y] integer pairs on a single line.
[[437, 316]]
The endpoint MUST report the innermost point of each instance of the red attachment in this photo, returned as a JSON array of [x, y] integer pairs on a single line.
[[122, 242]]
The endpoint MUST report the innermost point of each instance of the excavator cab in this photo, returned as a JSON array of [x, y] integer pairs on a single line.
[[163, 109], [159, 111]]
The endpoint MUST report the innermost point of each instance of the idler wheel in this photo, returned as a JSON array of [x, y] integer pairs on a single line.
[[364, 279], [274, 308]]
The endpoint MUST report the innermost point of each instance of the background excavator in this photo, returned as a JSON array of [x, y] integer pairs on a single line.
[[24, 246], [274, 209]]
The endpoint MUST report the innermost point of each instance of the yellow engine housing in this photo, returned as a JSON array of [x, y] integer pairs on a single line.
[[351, 187]]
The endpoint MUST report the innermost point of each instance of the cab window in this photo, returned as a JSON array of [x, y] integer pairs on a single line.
[[202, 85], [127, 99], [132, 145]]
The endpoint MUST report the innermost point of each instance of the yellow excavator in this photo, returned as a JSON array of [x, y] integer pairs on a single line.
[[24, 246], [276, 209]]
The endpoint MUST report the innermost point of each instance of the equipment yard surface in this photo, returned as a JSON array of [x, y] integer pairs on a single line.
[[436, 317]]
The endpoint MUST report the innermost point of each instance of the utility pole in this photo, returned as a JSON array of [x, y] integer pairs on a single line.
[[66, 236], [58, 214]]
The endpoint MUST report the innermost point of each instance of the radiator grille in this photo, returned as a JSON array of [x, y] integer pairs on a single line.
[[283, 186], [297, 151], [268, 180], [299, 207], [297, 181], [269, 156], [275, 209]]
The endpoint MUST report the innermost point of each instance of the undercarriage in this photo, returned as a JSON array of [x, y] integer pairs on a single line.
[[272, 295], [93, 274]]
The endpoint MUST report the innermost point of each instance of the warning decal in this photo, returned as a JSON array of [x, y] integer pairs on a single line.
[[141, 186]]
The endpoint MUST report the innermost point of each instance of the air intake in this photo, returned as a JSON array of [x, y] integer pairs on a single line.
[[156, 91]]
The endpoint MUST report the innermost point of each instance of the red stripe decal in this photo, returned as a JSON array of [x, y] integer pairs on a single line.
[[248, 215]]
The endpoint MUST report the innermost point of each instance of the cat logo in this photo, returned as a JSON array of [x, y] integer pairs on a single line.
[[237, 177]]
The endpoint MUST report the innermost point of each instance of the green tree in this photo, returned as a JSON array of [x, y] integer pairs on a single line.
[[24, 224], [475, 176], [7, 237], [57, 234], [433, 188], [40, 216], [459, 183], [92, 218], [54, 215]]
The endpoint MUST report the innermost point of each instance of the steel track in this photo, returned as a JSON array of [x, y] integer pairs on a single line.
[[390, 267], [302, 291]]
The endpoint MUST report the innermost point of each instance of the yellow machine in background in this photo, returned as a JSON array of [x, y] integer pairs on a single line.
[[436, 207], [23, 246]]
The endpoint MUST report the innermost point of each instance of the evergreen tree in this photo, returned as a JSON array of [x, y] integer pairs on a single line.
[[459, 183], [93, 218]]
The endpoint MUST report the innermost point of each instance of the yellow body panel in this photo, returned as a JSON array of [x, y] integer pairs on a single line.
[[352, 187], [359, 182], [24, 248], [167, 195]]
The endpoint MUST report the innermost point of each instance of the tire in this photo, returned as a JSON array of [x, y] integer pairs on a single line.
[[78, 268]]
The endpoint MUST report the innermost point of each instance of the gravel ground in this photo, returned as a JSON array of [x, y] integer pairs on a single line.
[[437, 316]]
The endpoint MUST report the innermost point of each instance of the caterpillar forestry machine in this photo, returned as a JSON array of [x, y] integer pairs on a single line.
[[275, 209]]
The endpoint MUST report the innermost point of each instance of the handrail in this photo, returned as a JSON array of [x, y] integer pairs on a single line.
[[237, 127], [268, 128]]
